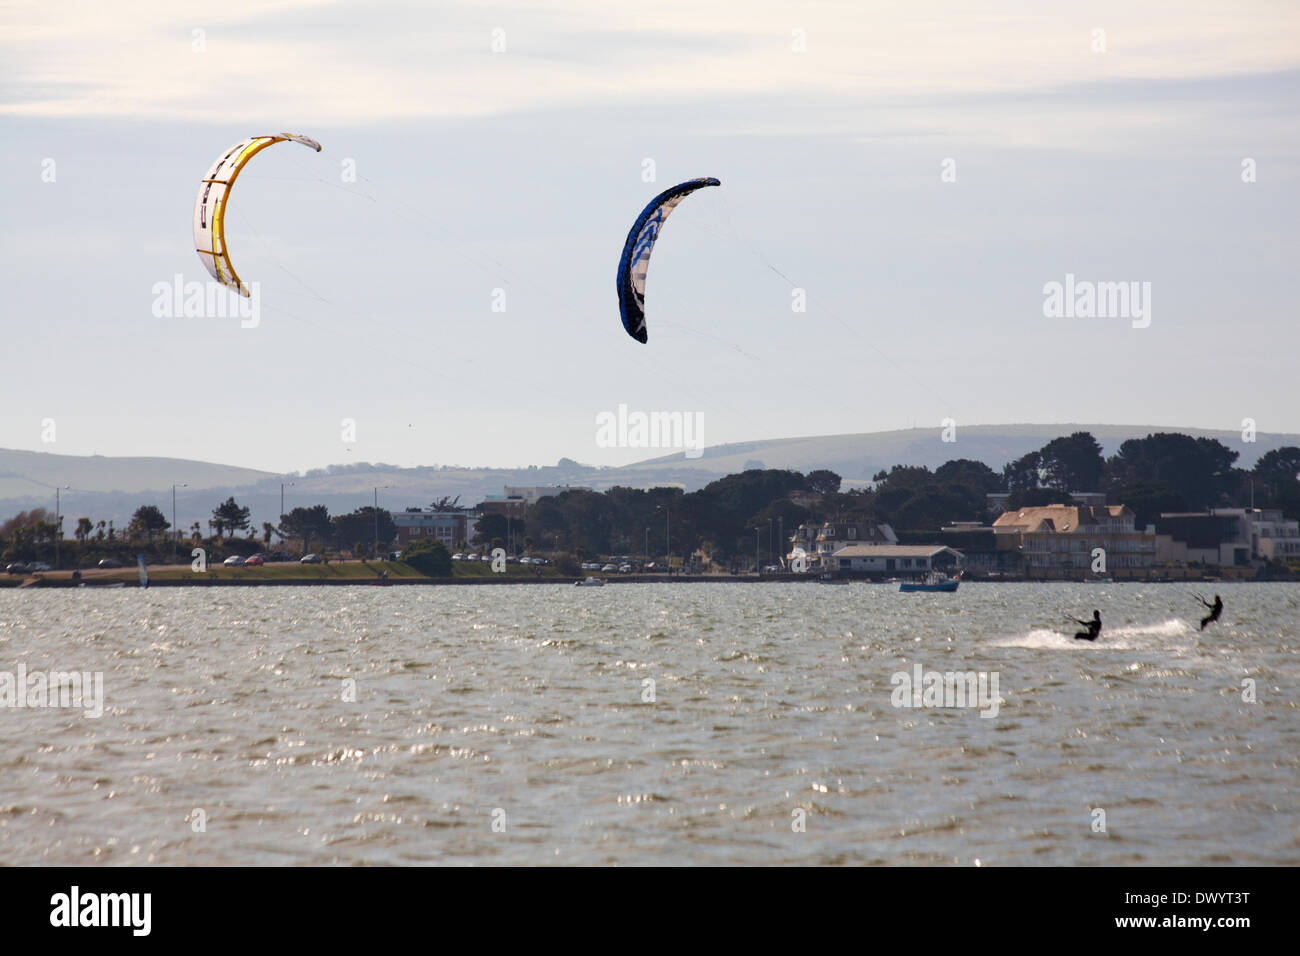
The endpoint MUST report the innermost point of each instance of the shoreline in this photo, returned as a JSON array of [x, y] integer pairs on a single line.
[[41, 582]]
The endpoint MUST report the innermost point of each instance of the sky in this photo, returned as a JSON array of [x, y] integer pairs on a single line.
[[437, 285]]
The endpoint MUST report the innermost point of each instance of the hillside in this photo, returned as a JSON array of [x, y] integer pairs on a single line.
[[112, 488]]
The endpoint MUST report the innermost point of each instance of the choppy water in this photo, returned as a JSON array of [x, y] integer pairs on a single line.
[[524, 705]]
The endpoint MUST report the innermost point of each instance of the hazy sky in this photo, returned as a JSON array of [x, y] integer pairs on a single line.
[[831, 126]]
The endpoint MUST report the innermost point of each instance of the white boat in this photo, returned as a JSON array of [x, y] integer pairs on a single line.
[[590, 583]]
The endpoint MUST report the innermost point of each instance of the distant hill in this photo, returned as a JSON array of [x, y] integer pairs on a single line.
[[112, 488], [32, 474], [857, 457]]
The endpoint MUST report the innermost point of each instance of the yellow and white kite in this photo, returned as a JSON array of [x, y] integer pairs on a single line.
[[210, 206]]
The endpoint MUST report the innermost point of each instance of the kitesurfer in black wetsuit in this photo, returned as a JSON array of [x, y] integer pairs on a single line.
[[1093, 627], [1215, 610]]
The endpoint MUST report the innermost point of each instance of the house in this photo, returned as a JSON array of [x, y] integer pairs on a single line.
[[1062, 537], [1227, 536], [1273, 538], [914, 559], [821, 540], [448, 527]]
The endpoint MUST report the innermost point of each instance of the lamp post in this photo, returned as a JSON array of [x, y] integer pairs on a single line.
[[385, 487], [757, 563], [58, 523], [175, 530], [668, 547]]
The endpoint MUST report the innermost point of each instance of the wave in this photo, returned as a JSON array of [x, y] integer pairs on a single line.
[[1113, 637]]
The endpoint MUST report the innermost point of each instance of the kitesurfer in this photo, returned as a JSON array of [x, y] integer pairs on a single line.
[[1215, 610], [1093, 627]]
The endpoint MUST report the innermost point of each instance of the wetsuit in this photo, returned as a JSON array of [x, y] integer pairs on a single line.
[[1093, 629], [1215, 610]]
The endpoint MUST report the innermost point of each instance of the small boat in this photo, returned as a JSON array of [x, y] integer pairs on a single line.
[[934, 581], [590, 583]]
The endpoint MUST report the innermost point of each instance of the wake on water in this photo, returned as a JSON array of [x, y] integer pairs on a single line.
[[1124, 637]]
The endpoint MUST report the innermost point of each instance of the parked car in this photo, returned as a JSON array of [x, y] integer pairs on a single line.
[[39, 566], [109, 563], [279, 556], [772, 569], [309, 559], [625, 569], [234, 561], [17, 567], [458, 556], [609, 567], [256, 561]]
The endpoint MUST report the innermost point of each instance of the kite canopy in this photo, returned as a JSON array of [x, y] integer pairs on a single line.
[[210, 206], [635, 261]]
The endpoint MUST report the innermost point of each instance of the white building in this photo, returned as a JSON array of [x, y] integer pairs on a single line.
[[449, 527], [893, 558], [1274, 538]]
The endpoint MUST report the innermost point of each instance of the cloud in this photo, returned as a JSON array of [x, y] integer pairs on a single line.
[[332, 63]]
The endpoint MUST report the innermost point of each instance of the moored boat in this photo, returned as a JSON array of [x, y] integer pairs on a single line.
[[934, 581]]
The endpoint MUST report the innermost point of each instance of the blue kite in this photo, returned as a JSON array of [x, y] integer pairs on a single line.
[[635, 261]]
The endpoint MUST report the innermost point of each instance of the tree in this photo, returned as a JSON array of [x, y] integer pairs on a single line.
[[84, 528], [149, 521], [359, 526], [823, 481], [1278, 472], [973, 474], [429, 557], [1072, 464], [1149, 499], [1023, 473], [24, 519], [495, 525], [1198, 469], [230, 515], [307, 524]]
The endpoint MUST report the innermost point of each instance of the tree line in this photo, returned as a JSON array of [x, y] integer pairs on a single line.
[[1159, 473]]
